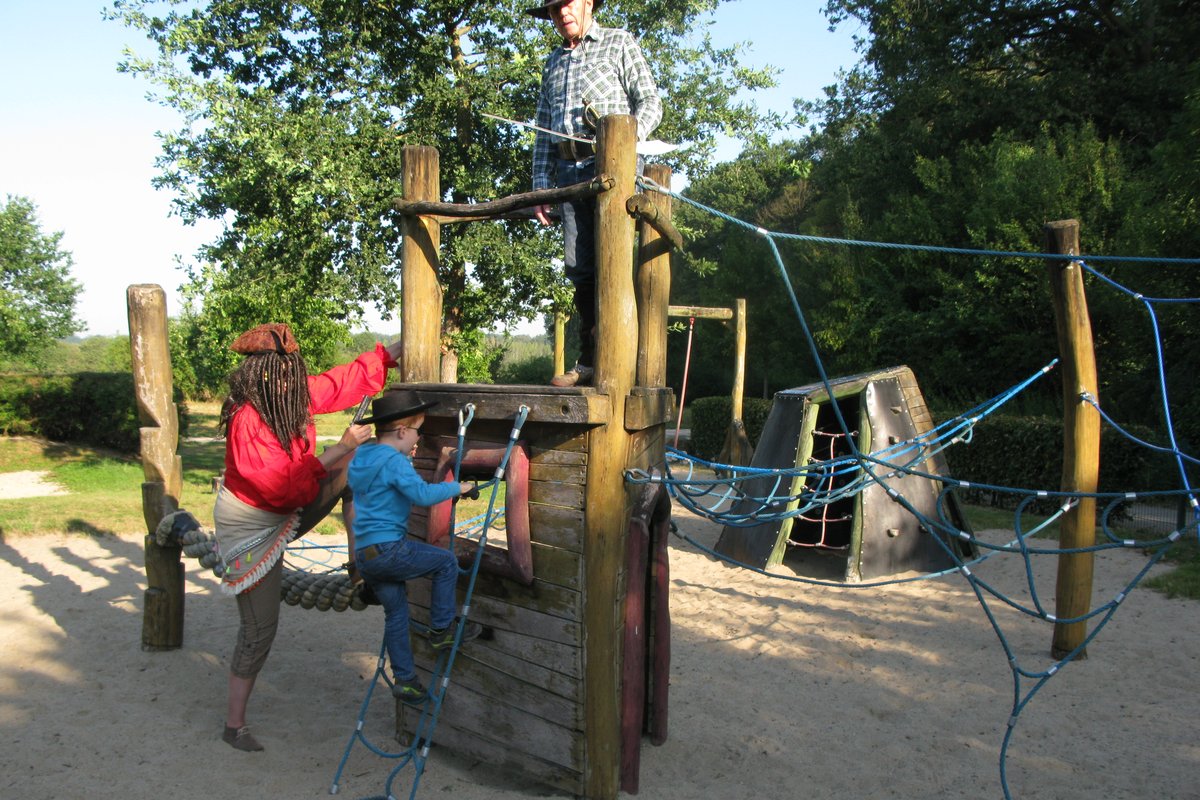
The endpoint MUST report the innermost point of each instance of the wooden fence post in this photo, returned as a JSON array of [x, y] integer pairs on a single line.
[[607, 498], [162, 617], [1081, 436], [654, 290], [420, 292]]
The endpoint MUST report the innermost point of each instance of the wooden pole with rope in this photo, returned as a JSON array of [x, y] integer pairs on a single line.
[[737, 449], [1081, 437]]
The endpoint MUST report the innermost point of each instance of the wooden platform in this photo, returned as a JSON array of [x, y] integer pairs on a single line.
[[519, 698]]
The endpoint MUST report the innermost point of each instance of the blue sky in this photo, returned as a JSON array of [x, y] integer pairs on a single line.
[[78, 138]]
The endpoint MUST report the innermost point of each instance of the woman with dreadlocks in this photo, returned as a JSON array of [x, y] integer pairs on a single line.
[[276, 487]]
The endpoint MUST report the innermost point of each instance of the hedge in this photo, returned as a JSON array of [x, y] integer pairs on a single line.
[[710, 422], [92, 408], [1027, 453], [1007, 451]]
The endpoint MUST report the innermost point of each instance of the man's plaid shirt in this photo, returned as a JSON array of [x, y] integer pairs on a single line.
[[605, 71]]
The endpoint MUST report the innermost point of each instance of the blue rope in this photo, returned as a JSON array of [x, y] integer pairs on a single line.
[[776, 505], [647, 183], [721, 493], [417, 752]]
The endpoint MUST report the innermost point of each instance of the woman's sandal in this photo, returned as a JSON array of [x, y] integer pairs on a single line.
[[241, 739]]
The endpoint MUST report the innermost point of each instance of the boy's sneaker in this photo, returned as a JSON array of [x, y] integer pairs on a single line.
[[410, 691], [441, 639], [578, 375]]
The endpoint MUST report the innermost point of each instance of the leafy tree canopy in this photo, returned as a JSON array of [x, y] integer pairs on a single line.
[[37, 292], [296, 113], [971, 124]]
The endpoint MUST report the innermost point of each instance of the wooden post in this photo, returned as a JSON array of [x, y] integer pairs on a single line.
[[420, 291], [560, 357], [737, 449], [607, 499], [162, 617], [654, 291], [1081, 436], [739, 356]]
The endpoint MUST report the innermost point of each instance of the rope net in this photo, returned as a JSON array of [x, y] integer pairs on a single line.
[[744, 496]]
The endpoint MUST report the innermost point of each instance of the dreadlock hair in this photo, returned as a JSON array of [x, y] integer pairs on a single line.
[[276, 385]]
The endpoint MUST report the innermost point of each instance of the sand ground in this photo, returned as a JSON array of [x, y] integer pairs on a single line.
[[778, 689]]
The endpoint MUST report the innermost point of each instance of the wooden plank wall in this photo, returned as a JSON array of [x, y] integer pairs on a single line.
[[516, 699]]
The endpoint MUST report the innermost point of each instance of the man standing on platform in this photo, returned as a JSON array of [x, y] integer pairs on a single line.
[[596, 72]]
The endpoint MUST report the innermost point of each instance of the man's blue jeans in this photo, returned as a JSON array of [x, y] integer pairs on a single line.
[[387, 573]]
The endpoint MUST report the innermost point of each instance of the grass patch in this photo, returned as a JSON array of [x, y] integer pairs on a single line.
[[105, 489], [1183, 581], [204, 418]]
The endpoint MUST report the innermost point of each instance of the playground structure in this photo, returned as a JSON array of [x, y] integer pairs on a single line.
[[864, 534], [604, 417], [576, 599]]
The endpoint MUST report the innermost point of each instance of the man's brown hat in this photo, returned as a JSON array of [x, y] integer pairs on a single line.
[[272, 337], [543, 11]]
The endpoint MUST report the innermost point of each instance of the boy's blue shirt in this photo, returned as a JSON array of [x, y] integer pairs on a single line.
[[386, 486]]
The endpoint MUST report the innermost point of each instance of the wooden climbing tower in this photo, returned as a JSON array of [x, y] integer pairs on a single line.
[[575, 670]]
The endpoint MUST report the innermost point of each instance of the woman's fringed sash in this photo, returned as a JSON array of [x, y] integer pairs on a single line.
[[249, 540]]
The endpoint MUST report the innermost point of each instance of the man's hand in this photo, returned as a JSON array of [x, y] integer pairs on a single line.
[[542, 213]]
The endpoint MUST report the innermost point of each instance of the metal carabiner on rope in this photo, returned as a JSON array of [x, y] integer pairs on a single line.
[[463, 422], [465, 416]]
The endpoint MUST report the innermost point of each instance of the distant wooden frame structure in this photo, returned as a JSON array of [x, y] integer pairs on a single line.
[[737, 449], [576, 671]]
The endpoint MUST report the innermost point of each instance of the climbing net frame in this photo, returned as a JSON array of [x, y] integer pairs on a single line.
[[726, 498]]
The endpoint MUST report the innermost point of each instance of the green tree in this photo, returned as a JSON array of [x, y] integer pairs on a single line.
[[972, 124], [766, 187], [295, 115], [37, 292]]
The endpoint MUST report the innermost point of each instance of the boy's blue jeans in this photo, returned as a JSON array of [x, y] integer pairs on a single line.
[[387, 572]]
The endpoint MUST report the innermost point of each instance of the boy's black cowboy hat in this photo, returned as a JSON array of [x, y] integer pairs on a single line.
[[543, 11], [397, 404]]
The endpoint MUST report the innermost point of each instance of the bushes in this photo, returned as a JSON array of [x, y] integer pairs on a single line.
[[1026, 452], [1006, 451], [710, 421], [93, 408]]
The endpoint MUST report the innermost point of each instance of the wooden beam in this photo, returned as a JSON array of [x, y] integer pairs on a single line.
[[700, 312], [560, 358], [642, 207], [653, 292], [739, 356], [607, 499], [162, 616], [493, 209], [1081, 436], [421, 293]]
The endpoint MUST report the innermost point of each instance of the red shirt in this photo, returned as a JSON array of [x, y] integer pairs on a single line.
[[259, 472]]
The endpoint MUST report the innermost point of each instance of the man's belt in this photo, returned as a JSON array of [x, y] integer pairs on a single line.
[[571, 150]]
